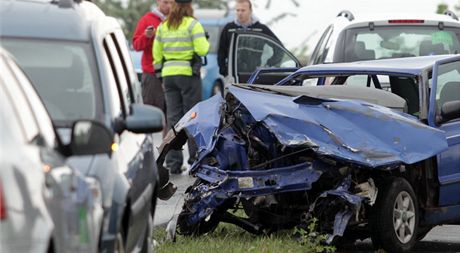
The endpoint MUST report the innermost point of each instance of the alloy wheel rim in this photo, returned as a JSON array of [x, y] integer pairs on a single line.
[[404, 217]]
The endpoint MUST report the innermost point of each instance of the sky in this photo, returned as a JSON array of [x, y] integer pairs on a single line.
[[313, 16]]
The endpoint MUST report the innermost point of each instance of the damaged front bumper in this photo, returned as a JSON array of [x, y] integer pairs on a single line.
[[287, 159]]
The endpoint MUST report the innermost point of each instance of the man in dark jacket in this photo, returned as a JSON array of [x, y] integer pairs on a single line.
[[244, 21]]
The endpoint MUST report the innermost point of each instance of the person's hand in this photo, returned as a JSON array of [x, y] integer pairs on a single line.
[[149, 31]]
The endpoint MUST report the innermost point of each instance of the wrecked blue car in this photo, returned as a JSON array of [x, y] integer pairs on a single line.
[[374, 153]]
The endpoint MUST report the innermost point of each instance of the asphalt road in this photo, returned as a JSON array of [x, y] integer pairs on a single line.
[[440, 239]]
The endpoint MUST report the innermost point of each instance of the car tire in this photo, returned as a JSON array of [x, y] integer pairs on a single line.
[[394, 218], [217, 87]]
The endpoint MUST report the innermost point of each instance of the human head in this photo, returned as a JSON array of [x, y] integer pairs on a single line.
[[165, 6], [243, 11], [180, 9]]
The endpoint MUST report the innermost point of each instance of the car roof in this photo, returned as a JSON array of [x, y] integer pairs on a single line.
[[36, 19], [408, 66], [383, 18]]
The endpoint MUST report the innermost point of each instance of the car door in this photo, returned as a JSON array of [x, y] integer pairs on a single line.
[[446, 88], [133, 151], [252, 50]]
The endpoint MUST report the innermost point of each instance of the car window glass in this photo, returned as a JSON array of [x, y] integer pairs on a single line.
[[115, 101], [406, 41], [323, 50], [256, 51], [122, 47], [64, 74], [448, 83], [43, 119], [320, 46], [21, 106], [118, 71]]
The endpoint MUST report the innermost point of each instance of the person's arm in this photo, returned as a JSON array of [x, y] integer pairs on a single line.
[[222, 52], [200, 43], [140, 40], [157, 52]]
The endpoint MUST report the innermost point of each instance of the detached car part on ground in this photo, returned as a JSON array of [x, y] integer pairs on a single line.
[[284, 157]]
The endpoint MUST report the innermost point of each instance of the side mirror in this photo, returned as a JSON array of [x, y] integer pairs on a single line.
[[450, 110], [145, 119], [89, 138]]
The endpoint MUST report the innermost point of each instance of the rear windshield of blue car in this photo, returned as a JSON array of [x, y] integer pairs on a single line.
[[64, 74], [401, 41]]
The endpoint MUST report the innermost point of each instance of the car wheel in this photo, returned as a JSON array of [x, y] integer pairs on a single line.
[[394, 219], [218, 88]]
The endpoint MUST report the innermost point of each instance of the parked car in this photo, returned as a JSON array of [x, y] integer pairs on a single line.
[[360, 159], [213, 22], [45, 205], [392, 35], [79, 63]]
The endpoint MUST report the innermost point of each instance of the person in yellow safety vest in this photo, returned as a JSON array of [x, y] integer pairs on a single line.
[[177, 41]]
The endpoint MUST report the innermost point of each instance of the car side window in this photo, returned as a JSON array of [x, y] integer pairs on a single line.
[[257, 51], [448, 83], [119, 75], [43, 119], [318, 55], [133, 83], [21, 105]]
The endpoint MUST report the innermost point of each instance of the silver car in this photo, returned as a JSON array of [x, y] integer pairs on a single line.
[[45, 206]]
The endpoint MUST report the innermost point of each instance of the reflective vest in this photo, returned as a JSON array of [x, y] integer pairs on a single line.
[[173, 49]]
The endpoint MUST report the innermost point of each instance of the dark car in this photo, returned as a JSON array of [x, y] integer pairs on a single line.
[[79, 63], [45, 205], [363, 160]]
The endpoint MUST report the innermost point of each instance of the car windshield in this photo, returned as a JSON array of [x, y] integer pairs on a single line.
[[64, 75], [214, 33], [400, 41]]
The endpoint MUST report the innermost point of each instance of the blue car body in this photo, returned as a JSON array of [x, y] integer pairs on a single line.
[[263, 142]]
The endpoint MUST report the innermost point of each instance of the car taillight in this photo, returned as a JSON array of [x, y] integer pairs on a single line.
[[406, 21], [2, 203]]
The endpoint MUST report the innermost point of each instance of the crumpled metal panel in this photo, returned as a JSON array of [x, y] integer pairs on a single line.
[[202, 121], [350, 130]]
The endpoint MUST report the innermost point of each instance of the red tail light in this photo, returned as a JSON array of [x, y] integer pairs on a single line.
[[406, 21], [2, 203]]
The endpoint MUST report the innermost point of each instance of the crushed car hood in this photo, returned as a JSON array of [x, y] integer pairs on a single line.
[[349, 130]]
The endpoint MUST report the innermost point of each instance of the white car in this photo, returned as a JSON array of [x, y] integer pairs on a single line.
[[45, 205], [379, 36]]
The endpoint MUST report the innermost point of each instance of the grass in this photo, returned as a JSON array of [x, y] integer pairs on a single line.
[[229, 238]]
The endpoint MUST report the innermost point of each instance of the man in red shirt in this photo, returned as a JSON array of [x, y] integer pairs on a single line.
[[152, 90]]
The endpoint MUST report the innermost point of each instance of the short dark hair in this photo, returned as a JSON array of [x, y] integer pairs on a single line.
[[245, 1]]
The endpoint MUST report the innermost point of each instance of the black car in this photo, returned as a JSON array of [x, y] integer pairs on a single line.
[[78, 60]]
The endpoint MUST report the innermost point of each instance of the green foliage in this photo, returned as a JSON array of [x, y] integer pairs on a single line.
[[212, 4], [313, 241], [228, 238], [442, 8], [128, 16]]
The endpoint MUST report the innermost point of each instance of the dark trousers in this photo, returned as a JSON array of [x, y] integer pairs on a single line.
[[152, 91], [181, 93]]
